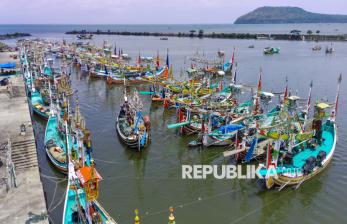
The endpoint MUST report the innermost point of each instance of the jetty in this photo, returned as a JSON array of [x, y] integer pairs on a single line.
[[201, 34], [13, 35], [21, 193]]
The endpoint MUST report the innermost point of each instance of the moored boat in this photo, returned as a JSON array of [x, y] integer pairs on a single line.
[[38, 105], [55, 143], [81, 205], [301, 156], [132, 127], [271, 50]]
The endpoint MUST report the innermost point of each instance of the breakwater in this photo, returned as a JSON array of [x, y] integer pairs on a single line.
[[13, 35], [201, 34]]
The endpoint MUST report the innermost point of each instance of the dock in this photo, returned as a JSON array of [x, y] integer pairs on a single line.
[[21, 192]]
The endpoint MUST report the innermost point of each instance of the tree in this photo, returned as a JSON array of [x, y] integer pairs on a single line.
[[318, 31], [309, 32], [192, 32], [201, 33]]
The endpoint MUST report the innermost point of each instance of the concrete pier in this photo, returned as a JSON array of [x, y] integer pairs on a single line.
[[21, 192]]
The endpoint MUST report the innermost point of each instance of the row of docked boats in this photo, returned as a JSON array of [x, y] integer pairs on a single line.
[[67, 140], [114, 65]]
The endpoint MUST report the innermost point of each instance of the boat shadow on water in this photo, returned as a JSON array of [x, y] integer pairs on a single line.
[[301, 198]]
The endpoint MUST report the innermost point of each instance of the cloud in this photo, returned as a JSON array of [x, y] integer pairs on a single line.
[[144, 11]]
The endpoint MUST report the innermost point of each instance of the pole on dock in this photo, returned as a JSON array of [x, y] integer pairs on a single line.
[[171, 216], [137, 218]]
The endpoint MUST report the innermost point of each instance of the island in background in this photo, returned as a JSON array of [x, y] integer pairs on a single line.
[[277, 15]]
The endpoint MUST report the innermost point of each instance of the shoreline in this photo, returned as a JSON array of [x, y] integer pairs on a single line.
[[200, 34]]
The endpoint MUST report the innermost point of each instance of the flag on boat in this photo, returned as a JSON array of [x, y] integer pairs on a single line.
[[249, 154], [158, 60], [309, 97], [285, 97], [139, 59], [232, 59], [167, 59], [269, 157], [259, 84], [338, 93], [234, 79], [230, 128], [171, 73], [106, 72]]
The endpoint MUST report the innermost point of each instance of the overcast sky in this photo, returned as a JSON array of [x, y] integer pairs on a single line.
[[146, 11]]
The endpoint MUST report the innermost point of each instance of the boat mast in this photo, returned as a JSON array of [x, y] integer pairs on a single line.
[[337, 98], [257, 97], [308, 106], [67, 136], [50, 98], [232, 59]]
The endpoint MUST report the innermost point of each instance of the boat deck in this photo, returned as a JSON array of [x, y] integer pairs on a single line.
[[300, 158]]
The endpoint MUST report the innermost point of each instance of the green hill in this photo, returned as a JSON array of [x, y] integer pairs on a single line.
[[271, 15]]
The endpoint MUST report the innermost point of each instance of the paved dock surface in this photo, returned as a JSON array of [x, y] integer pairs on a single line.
[[25, 203]]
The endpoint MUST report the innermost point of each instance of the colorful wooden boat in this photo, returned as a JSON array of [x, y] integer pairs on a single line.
[[302, 156], [55, 143], [81, 205], [38, 105], [132, 127], [271, 50]]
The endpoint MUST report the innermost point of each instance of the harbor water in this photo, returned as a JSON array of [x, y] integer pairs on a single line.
[[151, 180]]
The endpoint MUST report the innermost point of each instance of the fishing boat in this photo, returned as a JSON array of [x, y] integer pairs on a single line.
[[67, 136], [81, 205], [138, 77], [56, 142], [301, 156], [316, 48], [84, 36], [47, 70], [132, 127], [271, 50], [308, 154], [64, 85], [329, 50], [38, 105], [222, 136], [98, 73]]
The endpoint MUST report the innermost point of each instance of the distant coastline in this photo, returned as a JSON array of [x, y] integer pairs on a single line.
[[281, 15]]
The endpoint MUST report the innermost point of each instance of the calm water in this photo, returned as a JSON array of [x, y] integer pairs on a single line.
[[151, 180]]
